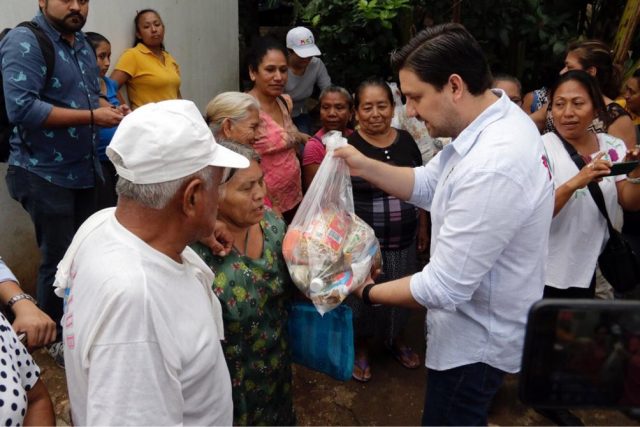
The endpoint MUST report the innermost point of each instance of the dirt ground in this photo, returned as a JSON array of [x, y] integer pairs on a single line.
[[394, 396]]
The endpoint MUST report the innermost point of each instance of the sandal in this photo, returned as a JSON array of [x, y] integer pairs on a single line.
[[361, 365], [405, 355]]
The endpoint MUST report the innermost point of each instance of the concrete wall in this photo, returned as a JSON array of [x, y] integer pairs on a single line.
[[201, 34]]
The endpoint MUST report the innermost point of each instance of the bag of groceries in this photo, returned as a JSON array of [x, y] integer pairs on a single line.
[[329, 250]]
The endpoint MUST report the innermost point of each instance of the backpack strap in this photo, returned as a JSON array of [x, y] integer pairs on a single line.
[[46, 46], [593, 187], [287, 101]]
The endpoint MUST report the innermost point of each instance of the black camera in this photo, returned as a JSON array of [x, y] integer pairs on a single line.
[[582, 353]]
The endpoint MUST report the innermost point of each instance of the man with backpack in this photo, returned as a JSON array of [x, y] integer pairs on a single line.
[[53, 167]]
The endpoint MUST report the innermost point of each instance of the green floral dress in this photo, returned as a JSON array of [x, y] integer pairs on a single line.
[[255, 295]]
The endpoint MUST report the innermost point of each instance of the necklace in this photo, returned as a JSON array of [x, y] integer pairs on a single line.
[[246, 243]]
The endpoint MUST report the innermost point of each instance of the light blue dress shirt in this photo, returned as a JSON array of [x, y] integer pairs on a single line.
[[490, 195]]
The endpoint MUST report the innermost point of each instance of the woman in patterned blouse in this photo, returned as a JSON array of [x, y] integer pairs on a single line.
[[253, 285]]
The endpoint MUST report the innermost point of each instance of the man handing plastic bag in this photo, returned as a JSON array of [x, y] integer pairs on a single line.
[[329, 250]]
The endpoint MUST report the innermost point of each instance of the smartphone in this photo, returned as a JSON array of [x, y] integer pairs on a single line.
[[622, 168], [582, 354]]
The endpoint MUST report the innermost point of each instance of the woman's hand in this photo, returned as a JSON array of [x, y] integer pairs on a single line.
[[300, 138], [594, 171], [220, 241], [632, 156]]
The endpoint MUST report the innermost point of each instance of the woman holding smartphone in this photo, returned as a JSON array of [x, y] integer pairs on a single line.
[[579, 230]]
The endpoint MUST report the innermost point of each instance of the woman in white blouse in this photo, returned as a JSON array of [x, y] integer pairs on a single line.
[[579, 230]]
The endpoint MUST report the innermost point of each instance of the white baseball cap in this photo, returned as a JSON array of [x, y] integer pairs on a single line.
[[301, 41], [165, 141]]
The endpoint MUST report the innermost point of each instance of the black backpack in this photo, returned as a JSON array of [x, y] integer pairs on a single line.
[[46, 47]]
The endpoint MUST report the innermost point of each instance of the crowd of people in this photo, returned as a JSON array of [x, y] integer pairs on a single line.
[[161, 230]]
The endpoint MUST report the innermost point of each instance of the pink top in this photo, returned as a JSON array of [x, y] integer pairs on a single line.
[[314, 149], [279, 161]]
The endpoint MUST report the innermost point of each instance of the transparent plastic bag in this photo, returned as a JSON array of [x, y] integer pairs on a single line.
[[329, 250]]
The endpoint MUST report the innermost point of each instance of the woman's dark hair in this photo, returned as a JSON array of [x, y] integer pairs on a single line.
[[136, 22], [587, 82], [372, 81], [259, 49], [95, 39], [594, 53], [438, 52]]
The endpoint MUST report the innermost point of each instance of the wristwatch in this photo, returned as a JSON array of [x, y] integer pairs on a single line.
[[365, 294], [14, 299]]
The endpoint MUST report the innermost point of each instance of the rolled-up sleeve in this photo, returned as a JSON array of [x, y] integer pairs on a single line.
[[24, 71], [483, 214]]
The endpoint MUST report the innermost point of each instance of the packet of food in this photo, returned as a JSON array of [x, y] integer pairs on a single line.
[[329, 250]]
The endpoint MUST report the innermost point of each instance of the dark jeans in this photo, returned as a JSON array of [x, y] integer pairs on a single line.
[[634, 241], [56, 213], [106, 191], [460, 396], [303, 123]]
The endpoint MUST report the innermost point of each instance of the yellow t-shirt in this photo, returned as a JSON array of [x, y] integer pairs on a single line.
[[635, 119], [151, 80]]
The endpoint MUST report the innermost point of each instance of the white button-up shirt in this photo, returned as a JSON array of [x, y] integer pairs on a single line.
[[490, 195]]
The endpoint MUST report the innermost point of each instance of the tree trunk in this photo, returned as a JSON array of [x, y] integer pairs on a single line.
[[626, 29]]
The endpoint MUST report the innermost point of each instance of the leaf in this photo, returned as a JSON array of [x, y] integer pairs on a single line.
[[558, 47]]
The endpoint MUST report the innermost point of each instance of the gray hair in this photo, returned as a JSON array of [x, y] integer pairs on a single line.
[[337, 89], [244, 150], [234, 106], [156, 196], [507, 78]]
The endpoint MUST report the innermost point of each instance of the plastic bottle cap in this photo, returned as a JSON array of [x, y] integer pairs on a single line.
[[316, 285]]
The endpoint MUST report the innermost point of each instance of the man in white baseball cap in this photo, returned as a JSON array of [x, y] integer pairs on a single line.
[[142, 328], [306, 71]]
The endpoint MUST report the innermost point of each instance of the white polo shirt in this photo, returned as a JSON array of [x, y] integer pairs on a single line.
[[490, 195]]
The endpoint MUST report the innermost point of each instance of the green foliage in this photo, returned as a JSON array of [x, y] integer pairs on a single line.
[[525, 38], [382, 11], [356, 35]]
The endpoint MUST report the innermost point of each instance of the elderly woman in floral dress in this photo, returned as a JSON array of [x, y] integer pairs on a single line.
[[253, 285]]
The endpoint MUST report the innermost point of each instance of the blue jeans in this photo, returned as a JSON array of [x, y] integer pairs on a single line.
[[56, 213], [460, 396]]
